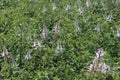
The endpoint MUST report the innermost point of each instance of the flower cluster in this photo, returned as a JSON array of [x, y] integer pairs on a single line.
[[88, 3], [5, 52], [98, 63], [45, 33], [28, 56], [36, 44], [57, 28], [59, 49]]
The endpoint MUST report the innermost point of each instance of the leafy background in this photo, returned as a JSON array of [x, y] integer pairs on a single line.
[[26, 17]]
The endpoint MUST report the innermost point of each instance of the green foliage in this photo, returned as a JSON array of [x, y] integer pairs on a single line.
[[22, 21]]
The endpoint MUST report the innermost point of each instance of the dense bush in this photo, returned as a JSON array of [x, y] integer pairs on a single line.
[[57, 40]]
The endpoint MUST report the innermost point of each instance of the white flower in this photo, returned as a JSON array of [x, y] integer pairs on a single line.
[[44, 33], [77, 26], [36, 43], [28, 56], [68, 7], [5, 52], [109, 18], [100, 53], [118, 32], [59, 48], [88, 3], [44, 9], [81, 10], [53, 6], [97, 27], [57, 28]]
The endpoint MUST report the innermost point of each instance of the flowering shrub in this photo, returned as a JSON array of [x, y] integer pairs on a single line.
[[56, 39]]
